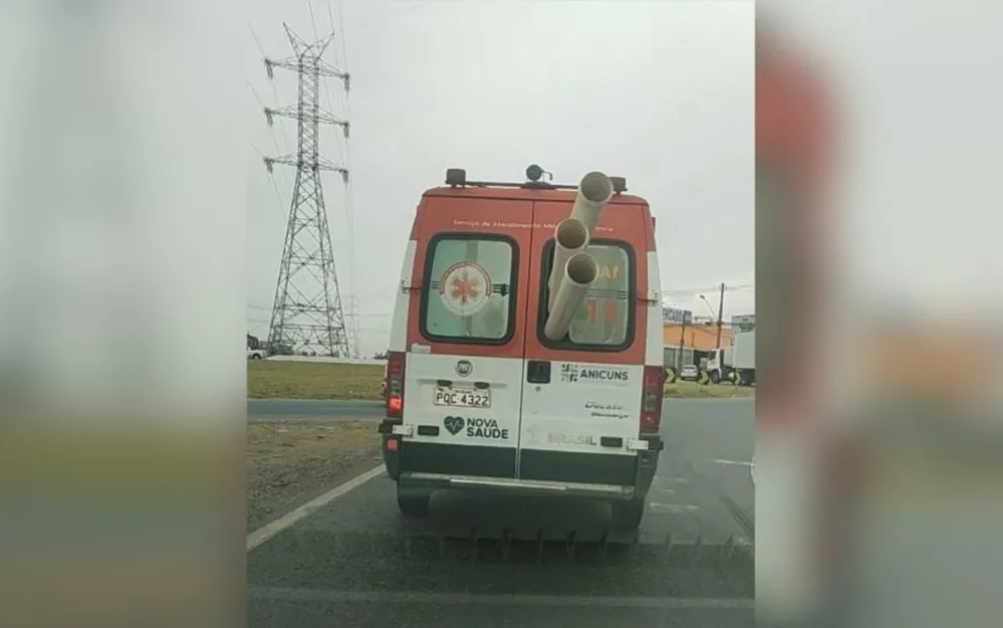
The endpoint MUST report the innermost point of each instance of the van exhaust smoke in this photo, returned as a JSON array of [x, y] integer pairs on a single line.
[[573, 269], [579, 273]]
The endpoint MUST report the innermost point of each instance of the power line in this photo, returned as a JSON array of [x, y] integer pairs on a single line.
[[689, 291], [275, 95], [271, 176], [263, 308], [327, 89], [275, 187], [344, 47], [347, 155]]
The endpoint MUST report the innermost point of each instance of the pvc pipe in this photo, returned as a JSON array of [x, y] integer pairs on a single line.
[[571, 236], [579, 273], [594, 191]]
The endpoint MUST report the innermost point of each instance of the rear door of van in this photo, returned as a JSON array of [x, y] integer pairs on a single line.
[[466, 334], [582, 397]]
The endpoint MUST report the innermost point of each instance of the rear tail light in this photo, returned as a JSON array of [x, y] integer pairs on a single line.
[[651, 399], [395, 385]]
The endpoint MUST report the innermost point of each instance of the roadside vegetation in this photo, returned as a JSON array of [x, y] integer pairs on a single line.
[[267, 379], [693, 390]]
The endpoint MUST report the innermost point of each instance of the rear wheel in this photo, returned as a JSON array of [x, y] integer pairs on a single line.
[[715, 377], [628, 515], [745, 378], [413, 501]]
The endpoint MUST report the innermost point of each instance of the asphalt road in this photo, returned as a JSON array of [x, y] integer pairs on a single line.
[[529, 562], [264, 410]]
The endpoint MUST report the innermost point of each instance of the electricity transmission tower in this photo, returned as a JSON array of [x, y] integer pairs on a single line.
[[307, 314]]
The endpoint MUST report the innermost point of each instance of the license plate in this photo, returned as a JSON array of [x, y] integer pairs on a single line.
[[474, 398]]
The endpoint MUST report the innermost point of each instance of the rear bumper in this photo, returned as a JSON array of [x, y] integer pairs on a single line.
[[512, 485], [617, 476]]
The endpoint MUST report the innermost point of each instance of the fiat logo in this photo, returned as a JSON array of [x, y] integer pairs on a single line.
[[464, 368]]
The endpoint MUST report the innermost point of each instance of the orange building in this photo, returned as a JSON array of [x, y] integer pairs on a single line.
[[699, 336]]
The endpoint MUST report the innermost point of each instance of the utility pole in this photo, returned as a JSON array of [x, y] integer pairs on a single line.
[[720, 315], [682, 343], [307, 314]]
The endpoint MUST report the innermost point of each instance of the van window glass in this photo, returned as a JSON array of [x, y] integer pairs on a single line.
[[468, 292], [604, 317]]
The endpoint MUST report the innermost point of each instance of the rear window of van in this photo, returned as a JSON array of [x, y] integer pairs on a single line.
[[605, 319], [467, 289]]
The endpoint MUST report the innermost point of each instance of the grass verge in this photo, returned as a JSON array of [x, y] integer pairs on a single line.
[[313, 380], [291, 463], [693, 390]]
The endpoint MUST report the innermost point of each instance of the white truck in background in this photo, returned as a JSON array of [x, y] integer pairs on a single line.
[[744, 357], [736, 363], [254, 349], [720, 365]]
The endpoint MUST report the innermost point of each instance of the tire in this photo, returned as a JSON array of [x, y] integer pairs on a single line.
[[255, 356], [413, 502], [715, 377], [627, 515]]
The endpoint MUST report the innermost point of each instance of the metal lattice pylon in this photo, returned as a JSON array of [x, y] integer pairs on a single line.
[[307, 314]]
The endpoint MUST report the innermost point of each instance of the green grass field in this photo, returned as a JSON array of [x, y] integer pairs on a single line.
[[692, 390], [312, 380], [319, 380]]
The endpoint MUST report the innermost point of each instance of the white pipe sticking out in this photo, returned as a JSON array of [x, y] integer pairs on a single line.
[[579, 273], [571, 236], [569, 274], [594, 191]]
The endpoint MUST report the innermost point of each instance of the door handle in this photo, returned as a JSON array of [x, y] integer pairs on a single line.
[[538, 372]]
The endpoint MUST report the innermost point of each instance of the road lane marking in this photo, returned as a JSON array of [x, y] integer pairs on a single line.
[[673, 508], [267, 531], [734, 462], [393, 597]]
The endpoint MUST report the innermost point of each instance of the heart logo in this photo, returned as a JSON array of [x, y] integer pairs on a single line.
[[454, 424]]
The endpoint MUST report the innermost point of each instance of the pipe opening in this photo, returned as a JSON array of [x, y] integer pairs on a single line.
[[596, 187], [572, 234], [582, 269]]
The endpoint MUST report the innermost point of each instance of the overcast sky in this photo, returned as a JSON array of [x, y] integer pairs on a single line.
[[658, 92]]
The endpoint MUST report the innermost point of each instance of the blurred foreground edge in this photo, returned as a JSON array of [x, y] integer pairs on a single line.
[[793, 154]]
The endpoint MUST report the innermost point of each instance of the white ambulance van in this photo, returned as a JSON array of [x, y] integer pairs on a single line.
[[526, 345]]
